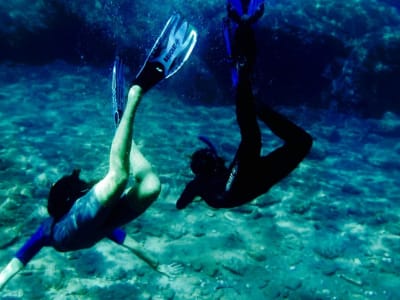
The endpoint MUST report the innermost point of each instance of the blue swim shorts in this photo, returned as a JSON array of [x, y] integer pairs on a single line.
[[88, 222], [81, 226]]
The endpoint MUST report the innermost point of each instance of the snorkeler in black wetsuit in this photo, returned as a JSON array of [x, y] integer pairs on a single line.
[[250, 174]]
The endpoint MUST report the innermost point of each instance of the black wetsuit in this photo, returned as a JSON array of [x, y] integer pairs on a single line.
[[243, 43], [250, 174]]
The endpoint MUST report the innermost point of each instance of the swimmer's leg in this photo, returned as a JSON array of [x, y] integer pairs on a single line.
[[250, 144], [147, 185], [246, 114], [248, 153], [297, 144], [110, 188]]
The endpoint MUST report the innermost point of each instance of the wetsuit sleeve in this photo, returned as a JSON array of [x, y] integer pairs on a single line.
[[36, 242], [118, 236], [188, 195]]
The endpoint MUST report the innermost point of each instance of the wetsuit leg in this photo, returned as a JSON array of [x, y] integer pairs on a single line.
[[244, 45], [250, 145], [297, 144], [248, 153]]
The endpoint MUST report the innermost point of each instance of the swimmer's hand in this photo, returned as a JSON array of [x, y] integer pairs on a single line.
[[171, 270]]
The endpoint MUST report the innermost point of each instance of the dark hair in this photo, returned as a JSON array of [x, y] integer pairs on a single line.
[[205, 161], [65, 192]]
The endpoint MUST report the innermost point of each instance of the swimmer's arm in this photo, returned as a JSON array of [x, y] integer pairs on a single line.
[[23, 256], [188, 195], [12, 268], [137, 249], [140, 252]]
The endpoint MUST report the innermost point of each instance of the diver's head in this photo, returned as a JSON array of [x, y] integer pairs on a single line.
[[204, 161], [64, 193]]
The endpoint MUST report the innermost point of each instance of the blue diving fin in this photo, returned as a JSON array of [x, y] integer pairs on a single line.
[[254, 5], [227, 27], [237, 5], [251, 9]]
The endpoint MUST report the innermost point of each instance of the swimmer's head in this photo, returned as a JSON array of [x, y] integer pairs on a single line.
[[205, 161], [64, 193]]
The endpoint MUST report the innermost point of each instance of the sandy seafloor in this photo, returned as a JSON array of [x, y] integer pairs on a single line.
[[331, 230]]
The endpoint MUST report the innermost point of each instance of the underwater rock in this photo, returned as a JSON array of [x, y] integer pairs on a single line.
[[276, 290], [394, 227], [329, 246], [8, 237], [293, 283], [393, 243], [199, 230], [5, 164], [235, 266], [117, 291], [267, 201], [379, 218], [197, 266], [211, 270], [300, 207], [351, 279], [176, 231], [351, 189], [165, 294], [293, 242], [389, 126], [327, 267], [257, 253], [244, 209], [328, 212], [317, 153]]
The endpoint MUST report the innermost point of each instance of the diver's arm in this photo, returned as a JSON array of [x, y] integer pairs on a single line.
[[170, 270], [188, 195], [24, 255], [12, 268]]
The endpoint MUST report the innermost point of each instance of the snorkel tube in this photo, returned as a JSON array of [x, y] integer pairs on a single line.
[[210, 145]]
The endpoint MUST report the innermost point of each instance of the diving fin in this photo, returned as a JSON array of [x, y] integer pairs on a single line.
[[118, 90], [168, 54], [237, 5], [254, 6], [250, 8], [227, 27]]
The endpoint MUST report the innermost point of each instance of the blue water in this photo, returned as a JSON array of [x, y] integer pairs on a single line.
[[331, 230]]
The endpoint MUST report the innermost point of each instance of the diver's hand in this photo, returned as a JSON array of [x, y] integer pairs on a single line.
[[170, 270]]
